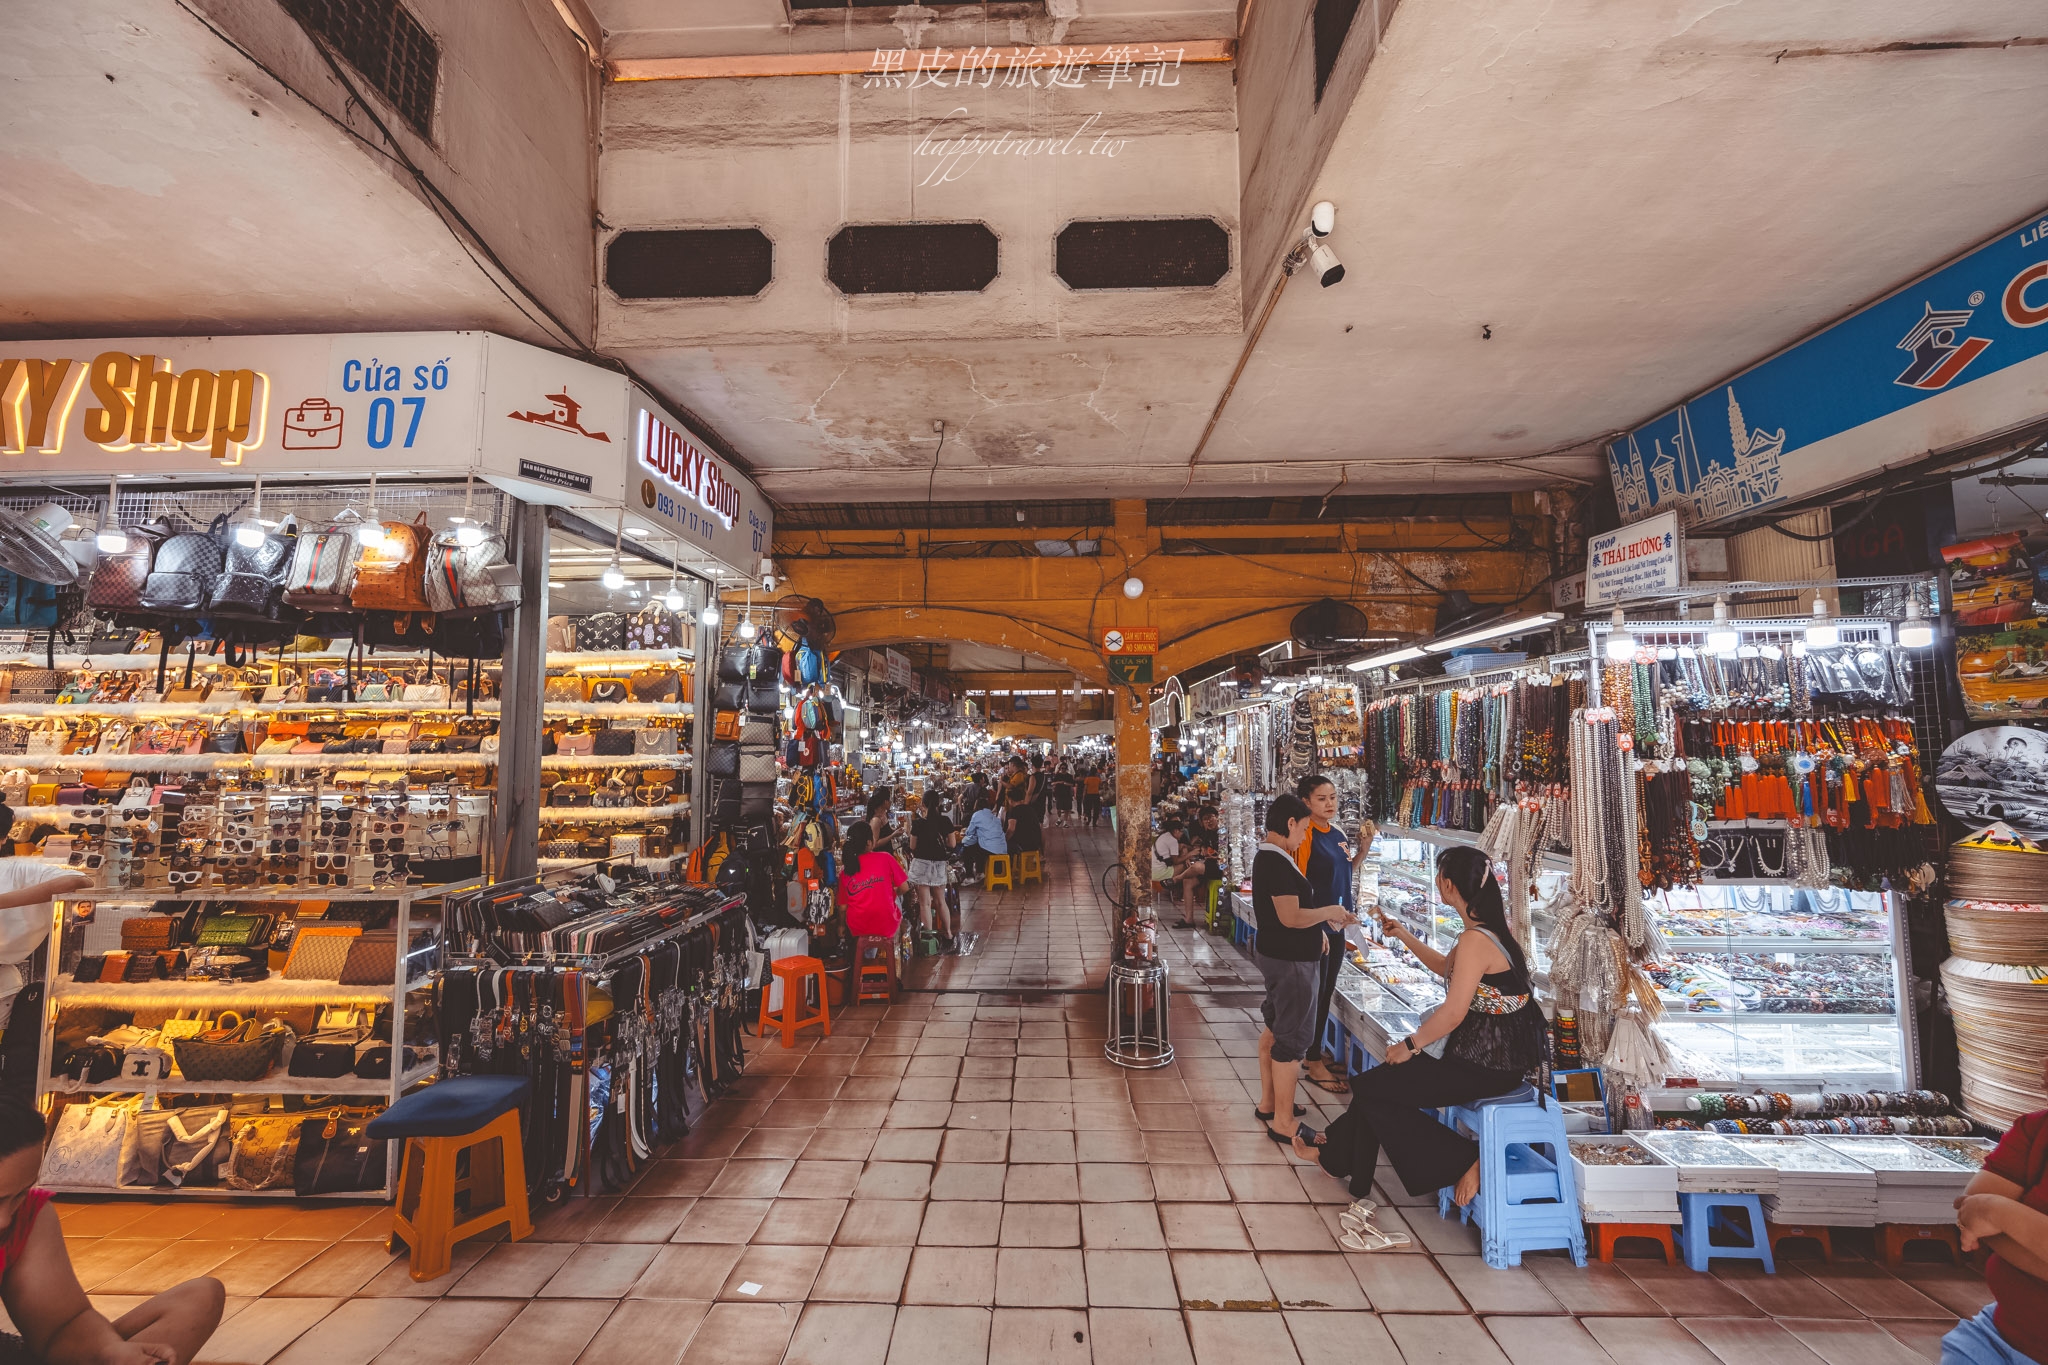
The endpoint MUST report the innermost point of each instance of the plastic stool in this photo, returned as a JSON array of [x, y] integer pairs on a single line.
[[792, 972], [1703, 1212], [1897, 1236], [1528, 1199], [476, 1114], [874, 958], [1605, 1235], [1795, 1232], [998, 875], [1028, 869]]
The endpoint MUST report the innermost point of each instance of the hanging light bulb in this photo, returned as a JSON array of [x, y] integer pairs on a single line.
[[712, 613], [746, 631], [371, 533], [1823, 632], [469, 532], [249, 531], [111, 539], [1621, 646], [1916, 632], [614, 573], [675, 601], [1721, 636]]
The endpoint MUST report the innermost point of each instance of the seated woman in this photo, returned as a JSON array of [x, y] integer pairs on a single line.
[[985, 836], [43, 1297], [1493, 1033], [868, 883]]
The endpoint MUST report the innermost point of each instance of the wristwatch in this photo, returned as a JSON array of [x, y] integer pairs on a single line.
[[1409, 1043]]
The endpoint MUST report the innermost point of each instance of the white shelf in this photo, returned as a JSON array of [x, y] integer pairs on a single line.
[[269, 1085], [580, 762], [191, 710], [617, 658], [1458, 838], [274, 992], [1766, 943], [34, 658], [650, 864], [206, 763], [584, 814]]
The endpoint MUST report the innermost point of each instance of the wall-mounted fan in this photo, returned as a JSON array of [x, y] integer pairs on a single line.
[[32, 545]]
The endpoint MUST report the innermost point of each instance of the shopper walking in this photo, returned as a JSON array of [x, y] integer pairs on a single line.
[[2004, 1211], [1091, 796], [932, 837], [1325, 858], [1063, 793], [1492, 1034], [1289, 952]]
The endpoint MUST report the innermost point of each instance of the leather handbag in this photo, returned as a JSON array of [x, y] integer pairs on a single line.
[[569, 794], [264, 1155], [654, 627], [727, 725], [613, 744], [372, 959], [233, 931], [603, 632], [655, 741], [610, 690], [337, 1154], [730, 697], [757, 802], [242, 1051], [723, 760], [655, 685], [326, 1056], [149, 933], [567, 689], [757, 767]]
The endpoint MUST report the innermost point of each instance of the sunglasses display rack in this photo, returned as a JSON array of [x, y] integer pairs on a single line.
[[288, 1012]]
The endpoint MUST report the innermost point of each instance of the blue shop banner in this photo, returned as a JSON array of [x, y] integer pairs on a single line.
[[1952, 357]]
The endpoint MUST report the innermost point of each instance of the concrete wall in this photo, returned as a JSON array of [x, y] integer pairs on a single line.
[[1284, 132]]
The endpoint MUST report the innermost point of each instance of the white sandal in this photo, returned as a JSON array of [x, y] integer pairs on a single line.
[[1372, 1237], [1359, 1216]]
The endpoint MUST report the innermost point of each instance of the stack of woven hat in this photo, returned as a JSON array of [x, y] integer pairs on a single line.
[[1997, 982]]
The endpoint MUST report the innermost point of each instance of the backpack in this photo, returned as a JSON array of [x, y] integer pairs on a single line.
[[185, 569], [251, 585], [27, 603], [323, 571], [470, 577], [391, 575], [118, 580], [810, 665]]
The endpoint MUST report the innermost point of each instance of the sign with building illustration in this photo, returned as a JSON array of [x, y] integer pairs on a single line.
[[1643, 559], [1954, 357]]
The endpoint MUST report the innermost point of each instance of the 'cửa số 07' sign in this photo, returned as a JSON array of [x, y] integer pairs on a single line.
[[1957, 355]]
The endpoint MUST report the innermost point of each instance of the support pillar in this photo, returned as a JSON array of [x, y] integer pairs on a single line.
[[519, 698], [703, 718], [1134, 790]]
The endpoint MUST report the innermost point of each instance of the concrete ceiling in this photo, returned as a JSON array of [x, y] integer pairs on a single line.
[[1638, 200]]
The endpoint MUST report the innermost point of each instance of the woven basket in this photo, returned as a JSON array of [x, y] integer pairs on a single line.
[[247, 1054]]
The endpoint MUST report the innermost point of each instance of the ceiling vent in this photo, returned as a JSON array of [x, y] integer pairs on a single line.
[[381, 39], [1168, 253], [912, 258], [689, 263]]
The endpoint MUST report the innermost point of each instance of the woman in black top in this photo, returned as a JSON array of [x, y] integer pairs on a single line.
[[1025, 829], [882, 824], [1494, 1034], [932, 837]]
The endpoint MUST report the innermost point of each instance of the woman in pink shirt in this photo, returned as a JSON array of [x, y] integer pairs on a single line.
[[868, 883]]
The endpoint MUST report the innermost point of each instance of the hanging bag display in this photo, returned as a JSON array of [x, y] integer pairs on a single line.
[[183, 573], [323, 571], [251, 585], [461, 578], [391, 574], [118, 579]]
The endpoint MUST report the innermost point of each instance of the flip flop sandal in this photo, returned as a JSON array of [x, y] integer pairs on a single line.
[[1359, 1216], [1307, 1134], [1335, 1085], [1372, 1238], [1264, 1117]]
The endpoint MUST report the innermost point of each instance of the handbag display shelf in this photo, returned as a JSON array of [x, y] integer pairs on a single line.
[[412, 978], [651, 1019]]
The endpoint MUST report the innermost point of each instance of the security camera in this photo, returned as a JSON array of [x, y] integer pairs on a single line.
[[1313, 251], [1322, 219], [1325, 264], [767, 575]]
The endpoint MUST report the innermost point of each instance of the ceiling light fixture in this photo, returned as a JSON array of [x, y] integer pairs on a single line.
[[1494, 630], [1721, 636], [1823, 632], [1134, 588], [111, 539], [615, 574], [469, 532], [1392, 656], [371, 533], [675, 601], [1621, 646], [249, 531], [1916, 632]]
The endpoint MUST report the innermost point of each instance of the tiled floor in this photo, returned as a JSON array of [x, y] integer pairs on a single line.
[[963, 1179]]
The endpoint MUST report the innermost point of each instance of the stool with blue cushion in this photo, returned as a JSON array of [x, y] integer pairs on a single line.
[[437, 1205], [1528, 1198], [1708, 1213]]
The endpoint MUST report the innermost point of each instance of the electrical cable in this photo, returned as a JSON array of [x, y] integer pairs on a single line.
[[924, 551]]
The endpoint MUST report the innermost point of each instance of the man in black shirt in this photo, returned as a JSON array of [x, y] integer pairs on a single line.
[[1289, 951]]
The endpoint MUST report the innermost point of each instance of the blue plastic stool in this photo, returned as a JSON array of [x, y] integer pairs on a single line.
[[1528, 1198], [1704, 1212], [1339, 1045]]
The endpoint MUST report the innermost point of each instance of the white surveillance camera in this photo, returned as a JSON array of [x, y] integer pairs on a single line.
[[1324, 262], [1322, 219]]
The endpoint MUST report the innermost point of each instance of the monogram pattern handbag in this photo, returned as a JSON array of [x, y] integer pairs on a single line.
[[372, 959], [319, 952]]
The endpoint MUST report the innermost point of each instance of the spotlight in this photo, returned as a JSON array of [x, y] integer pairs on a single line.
[[614, 575], [1823, 632], [712, 614], [111, 539], [1621, 646], [1721, 636], [469, 534], [747, 628], [1915, 632]]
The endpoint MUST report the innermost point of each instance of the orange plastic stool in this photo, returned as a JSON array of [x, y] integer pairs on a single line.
[[1605, 1235], [1028, 869], [874, 958], [999, 878], [1793, 1232], [429, 1188], [792, 972], [1897, 1236]]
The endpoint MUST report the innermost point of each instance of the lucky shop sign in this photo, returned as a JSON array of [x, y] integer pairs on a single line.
[[673, 480], [1957, 355]]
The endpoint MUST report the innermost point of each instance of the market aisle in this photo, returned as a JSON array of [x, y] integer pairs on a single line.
[[963, 1178]]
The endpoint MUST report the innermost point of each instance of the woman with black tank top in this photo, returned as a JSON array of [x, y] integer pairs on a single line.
[[1492, 1034]]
